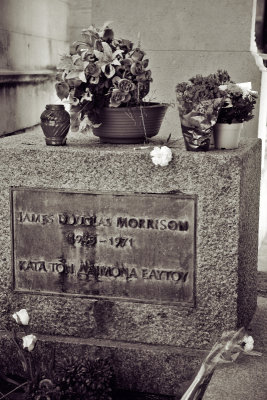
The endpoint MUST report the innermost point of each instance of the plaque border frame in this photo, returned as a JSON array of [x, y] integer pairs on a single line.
[[180, 304]]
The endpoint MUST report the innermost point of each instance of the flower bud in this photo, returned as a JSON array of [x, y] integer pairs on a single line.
[[248, 343], [21, 317], [137, 68], [108, 35], [29, 342], [118, 97], [137, 54], [125, 85]]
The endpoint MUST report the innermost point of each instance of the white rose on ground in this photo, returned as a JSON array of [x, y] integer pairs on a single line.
[[161, 155], [21, 317], [249, 343], [29, 342]]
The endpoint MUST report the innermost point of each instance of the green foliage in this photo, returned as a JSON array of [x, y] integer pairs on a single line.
[[84, 379], [241, 106], [201, 88]]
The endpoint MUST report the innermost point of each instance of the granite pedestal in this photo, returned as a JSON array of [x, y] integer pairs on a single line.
[[156, 345]]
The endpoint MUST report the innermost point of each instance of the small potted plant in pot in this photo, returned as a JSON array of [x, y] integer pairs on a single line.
[[199, 101], [237, 109], [106, 80]]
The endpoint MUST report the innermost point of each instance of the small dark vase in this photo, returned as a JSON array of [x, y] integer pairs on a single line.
[[55, 122]]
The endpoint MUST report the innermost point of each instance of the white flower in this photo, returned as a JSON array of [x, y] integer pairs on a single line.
[[87, 96], [29, 342], [249, 343], [85, 124], [247, 89], [245, 85], [161, 155], [107, 59], [21, 317]]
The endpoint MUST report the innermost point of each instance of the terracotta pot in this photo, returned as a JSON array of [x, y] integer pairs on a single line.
[[55, 122], [227, 136], [127, 125]]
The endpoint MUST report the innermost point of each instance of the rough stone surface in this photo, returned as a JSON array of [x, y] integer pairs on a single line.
[[227, 187], [137, 367], [246, 378]]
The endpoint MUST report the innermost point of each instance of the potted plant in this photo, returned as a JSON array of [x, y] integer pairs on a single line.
[[237, 109], [106, 80], [199, 101]]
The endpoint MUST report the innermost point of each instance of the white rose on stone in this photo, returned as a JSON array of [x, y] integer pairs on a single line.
[[21, 317], [161, 155], [29, 342], [249, 343]]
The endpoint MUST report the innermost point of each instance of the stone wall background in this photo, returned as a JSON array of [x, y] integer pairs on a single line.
[[184, 38], [181, 38], [33, 33], [32, 36], [80, 17]]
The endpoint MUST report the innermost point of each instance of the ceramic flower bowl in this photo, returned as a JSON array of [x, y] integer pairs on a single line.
[[130, 125]]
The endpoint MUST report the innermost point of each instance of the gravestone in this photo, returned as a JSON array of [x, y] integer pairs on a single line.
[[113, 256]]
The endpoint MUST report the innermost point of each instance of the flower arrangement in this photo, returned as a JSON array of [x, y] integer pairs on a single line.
[[239, 103], [199, 101], [199, 89], [101, 71]]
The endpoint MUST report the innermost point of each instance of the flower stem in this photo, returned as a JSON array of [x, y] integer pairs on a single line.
[[143, 122], [12, 391], [23, 358]]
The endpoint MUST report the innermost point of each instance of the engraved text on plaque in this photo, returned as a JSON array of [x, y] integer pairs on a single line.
[[137, 247]]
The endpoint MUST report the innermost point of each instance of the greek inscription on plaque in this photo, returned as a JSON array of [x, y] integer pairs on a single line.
[[138, 247]]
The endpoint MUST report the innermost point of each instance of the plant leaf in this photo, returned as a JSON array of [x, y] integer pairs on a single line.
[[75, 57], [82, 76], [66, 62], [62, 89], [73, 74]]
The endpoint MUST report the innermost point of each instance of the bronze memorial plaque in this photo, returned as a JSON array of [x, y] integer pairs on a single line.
[[128, 246]]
